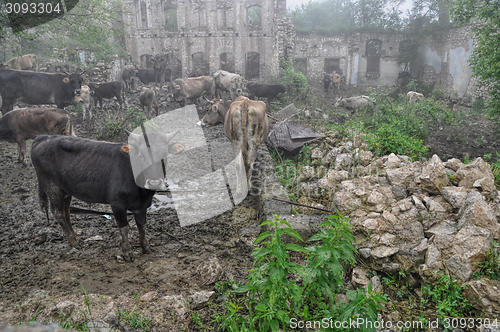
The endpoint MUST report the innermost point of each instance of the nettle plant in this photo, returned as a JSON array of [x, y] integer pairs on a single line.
[[280, 292]]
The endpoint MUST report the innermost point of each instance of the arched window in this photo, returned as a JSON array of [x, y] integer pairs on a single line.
[[227, 62], [252, 66], [200, 64], [373, 52], [332, 65], [254, 15]]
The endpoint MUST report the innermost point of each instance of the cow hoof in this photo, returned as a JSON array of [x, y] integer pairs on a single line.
[[147, 251], [127, 257]]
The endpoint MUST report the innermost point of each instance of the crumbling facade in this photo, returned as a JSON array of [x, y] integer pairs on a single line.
[[249, 37]]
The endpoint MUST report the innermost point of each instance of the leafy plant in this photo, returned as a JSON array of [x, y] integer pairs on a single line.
[[273, 294], [447, 298], [491, 265]]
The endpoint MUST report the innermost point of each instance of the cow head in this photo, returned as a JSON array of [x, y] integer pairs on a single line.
[[237, 85], [282, 88], [172, 90], [212, 116], [75, 82], [150, 154]]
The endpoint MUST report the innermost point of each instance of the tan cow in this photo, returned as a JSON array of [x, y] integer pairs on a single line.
[[336, 79], [229, 82], [84, 99], [414, 96], [246, 126], [23, 62], [183, 89]]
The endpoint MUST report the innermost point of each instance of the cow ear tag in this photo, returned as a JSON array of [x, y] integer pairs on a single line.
[[126, 148], [66, 80]]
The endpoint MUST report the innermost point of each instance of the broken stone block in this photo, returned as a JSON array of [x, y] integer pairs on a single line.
[[359, 277], [455, 195], [475, 211], [433, 176], [477, 170], [175, 305], [484, 294], [210, 271], [384, 251]]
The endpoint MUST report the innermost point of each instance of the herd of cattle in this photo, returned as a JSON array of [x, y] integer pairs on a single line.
[[101, 172]]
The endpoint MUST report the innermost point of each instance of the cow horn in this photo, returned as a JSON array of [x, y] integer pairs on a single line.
[[206, 98], [83, 72], [171, 135], [131, 135]]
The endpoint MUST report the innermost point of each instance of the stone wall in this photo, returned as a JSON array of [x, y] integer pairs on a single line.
[[444, 61]]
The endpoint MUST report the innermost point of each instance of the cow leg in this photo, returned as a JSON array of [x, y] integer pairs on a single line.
[[59, 206], [122, 222], [140, 220], [21, 147]]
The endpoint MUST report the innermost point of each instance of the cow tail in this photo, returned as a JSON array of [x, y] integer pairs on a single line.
[[244, 122], [44, 201]]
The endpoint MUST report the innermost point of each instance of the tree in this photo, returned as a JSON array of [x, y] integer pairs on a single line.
[[93, 25], [485, 59]]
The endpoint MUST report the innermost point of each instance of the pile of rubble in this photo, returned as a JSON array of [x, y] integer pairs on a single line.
[[420, 217]]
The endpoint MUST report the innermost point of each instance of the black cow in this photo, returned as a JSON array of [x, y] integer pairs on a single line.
[[38, 88], [265, 90], [107, 90], [146, 76], [98, 172], [327, 79], [127, 74], [162, 73]]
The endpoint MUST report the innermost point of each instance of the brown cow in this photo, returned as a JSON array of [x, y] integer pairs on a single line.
[[246, 126], [148, 99], [23, 62], [336, 79], [183, 89], [84, 99], [17, 126], [216, 112]]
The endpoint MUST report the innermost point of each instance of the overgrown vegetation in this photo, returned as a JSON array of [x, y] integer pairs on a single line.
[[280, 292], [485, 58], [115, 122], [135, 320], [491, 265]]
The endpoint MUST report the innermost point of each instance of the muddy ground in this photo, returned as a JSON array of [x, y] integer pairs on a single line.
[[34, 255], [36, 261]]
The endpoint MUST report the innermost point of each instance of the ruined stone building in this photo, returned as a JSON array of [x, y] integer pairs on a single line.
[[250, 36]]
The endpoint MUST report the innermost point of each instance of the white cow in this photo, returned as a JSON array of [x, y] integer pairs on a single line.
[[414, 96], [229, 82]]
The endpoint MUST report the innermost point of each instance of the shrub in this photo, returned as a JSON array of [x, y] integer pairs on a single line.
[[295, 82], [389, 140]]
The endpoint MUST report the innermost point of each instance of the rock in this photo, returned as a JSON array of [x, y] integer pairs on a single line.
[[387, 239], [433, 176], [405, 205], [149, 296], [453, 164], [433, 206], [175, 304], [467, 251], [365, 252], [317, 153], [348, 146], [391, 267], [484, 294], [94, 238], [389, 217], [477, 170], [375, 198], [364, 156], [433, 257], [343, 160], [244, 216], [384, 251], [399, 192], [455, 195], [210, 271], [359, 277], [97, 326], [332, 178], [33, 327], [392, 161], [475, 211], [331, 156], [199, 299], [376, 285], [346, 202], [64, 308], [370, 224], [418, 203], [424, 244], [442, 228], [321, 172], [306, 173], [342, 298], [401, 177]]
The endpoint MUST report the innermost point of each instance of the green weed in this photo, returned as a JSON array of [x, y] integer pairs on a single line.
[[135, 320]]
